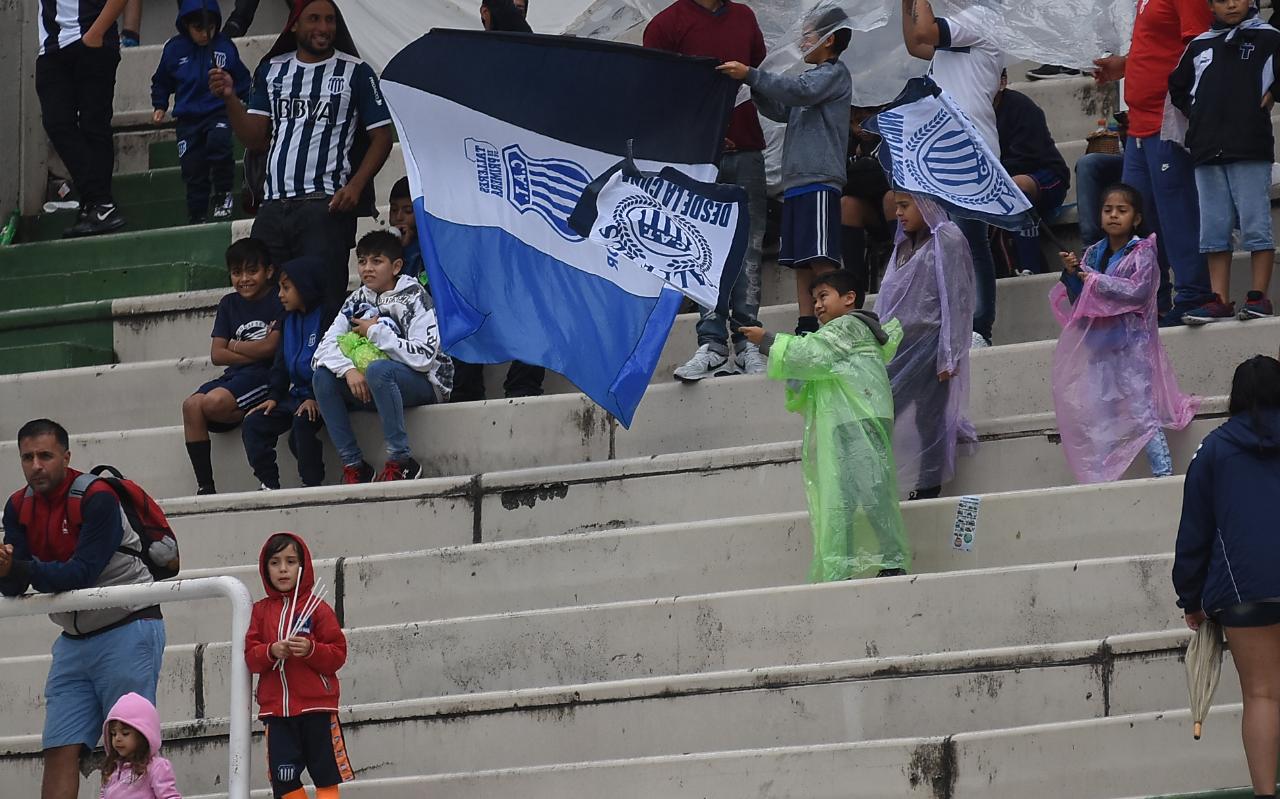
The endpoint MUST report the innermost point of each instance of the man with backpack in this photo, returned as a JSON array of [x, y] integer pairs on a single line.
[[67, 530]]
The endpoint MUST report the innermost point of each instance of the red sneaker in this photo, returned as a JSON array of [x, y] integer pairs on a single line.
[[1213, 311], [354, 475]]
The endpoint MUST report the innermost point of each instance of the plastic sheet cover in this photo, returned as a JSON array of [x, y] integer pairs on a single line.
[[930, 292], [836, 378], [1113, 385], [1069, 33]]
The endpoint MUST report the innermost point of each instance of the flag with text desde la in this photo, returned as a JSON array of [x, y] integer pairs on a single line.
[[930, 147], [690, 234], [498, 155]]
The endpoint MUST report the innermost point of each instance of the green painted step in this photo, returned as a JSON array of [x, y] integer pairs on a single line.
[[164, 154], [59, 289], [200, 244], [148, 200], [55, 355]]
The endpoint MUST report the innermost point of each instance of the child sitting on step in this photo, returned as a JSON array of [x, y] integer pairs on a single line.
[[291, 406], [394, 313], [244, 340], [1114, 390], [296, 646], [133, 768], [836, 377], [929, 290]]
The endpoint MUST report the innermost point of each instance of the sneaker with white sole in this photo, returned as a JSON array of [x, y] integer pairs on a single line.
[[751, 361], [225, 207], [979, 342], [704, 363]]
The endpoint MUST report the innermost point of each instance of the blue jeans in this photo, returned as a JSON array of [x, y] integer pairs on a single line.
[[746, 169], [1163, 174], [984, 274], [394, 387], [1235, 195], [1094, 172], [1158, 455], [88, 675]]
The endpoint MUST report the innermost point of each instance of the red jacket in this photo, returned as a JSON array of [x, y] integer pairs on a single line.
[[729, 34], [1161, 32], [306, 684]]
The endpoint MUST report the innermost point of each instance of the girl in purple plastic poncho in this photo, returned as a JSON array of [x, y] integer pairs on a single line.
[[1114, 389], [929, 289]]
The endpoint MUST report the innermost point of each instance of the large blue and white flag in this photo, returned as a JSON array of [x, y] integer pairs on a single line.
[[689, 233], [501, 133], [929, 146]]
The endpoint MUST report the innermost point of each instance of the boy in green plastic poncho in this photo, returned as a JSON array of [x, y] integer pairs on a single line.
[[836, 377]]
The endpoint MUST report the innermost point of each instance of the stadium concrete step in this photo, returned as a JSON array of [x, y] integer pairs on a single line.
[[37, 356], [855, 701], [689, 635], [59, 288], [204, 244], [429, 570], [1009, 383], [151, 200]]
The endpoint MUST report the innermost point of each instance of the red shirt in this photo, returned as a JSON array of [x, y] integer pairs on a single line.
[[1160, 35], [729, 34]]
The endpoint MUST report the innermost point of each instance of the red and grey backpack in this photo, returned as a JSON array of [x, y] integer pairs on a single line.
[[158, 548]]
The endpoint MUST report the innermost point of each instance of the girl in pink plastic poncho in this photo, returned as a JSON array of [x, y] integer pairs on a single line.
[[1114, 389], [929, 289]]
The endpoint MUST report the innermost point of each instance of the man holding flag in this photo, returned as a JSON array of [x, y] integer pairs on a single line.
[[726, 31], [496, 169]]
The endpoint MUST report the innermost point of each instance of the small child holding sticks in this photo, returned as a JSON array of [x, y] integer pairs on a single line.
[[296, 646]]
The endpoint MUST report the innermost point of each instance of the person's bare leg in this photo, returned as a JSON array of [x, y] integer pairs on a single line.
[[1029, 187], [61, 772], [194, 425], [804, 299], [132, 18], [1256, 651], [1263, 263], [1220, 274], [220, 406]]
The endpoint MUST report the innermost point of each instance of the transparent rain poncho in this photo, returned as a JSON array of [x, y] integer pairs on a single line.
[[1069, 33], [930, 292], [1113, 385], [836, 378]]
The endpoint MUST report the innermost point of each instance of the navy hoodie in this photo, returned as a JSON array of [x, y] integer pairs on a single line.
[[302, 332], [184, 68], [1228, 546]]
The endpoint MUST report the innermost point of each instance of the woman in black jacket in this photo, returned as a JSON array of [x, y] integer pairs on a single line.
[[1227, 565]]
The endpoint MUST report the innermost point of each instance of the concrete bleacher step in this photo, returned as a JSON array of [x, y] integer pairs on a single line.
[[689, 635], [150, 200], [730, 541], [851, 701], [49, 356], [468, 438], [59, 288]]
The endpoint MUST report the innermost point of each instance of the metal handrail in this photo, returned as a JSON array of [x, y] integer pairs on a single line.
[[172, 591]]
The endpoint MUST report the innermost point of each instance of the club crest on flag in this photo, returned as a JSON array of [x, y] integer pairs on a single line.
[[549, 187], [931, 147], [662, 243]]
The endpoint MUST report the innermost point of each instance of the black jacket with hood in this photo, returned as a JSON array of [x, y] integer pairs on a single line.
[[1219, 85], [1228, 544]]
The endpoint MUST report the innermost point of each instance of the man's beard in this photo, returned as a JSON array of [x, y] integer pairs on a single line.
[[305, 44]]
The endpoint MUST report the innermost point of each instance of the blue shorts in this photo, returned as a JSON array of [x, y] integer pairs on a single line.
[[88, 675], [250, 385], [1235, 195], [810, 227]]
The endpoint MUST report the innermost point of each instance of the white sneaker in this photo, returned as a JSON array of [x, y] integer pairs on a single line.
[[225, 207], [751, 361], [265, 487], [704, 363], [979, 343]]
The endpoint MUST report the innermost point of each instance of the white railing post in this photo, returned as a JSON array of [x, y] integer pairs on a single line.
[[156, 594]]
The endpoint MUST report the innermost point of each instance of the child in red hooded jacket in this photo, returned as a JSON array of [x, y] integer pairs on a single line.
[[297, 674]]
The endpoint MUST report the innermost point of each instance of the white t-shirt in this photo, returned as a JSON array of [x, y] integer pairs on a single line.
[[968, 68]]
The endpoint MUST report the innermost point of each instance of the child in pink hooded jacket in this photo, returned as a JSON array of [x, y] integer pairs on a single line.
[[134, 768]]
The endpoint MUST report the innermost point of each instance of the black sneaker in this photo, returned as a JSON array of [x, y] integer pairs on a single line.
[[891, 573], [95, 220], [1051, 72], [399, 470], [204, 491]]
